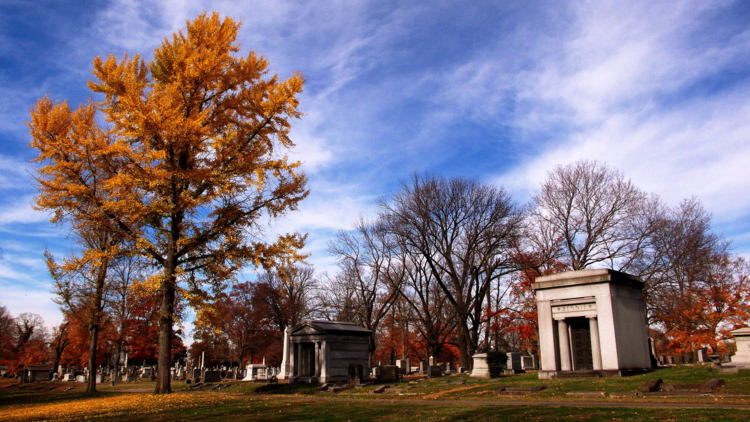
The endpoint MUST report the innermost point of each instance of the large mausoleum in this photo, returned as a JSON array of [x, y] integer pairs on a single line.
[[321, 351], [591, 320]]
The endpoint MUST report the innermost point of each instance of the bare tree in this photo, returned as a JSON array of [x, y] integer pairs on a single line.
[[81, 282], [125, 270], [434, 317], [593, 215], [368, 284], [287, 294], [60, 341], [7, 331], [31, 340], [464, 230]]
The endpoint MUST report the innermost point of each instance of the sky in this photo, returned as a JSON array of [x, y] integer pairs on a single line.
[[501, 92]]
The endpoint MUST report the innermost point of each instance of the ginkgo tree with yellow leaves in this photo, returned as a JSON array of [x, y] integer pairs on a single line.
[[192, 149]]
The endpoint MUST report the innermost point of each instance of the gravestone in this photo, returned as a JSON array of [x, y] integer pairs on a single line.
[[662, 360], [435, 371], [703, 356], [211, 376], [481, 369], [423, 368], [99, 378], [432, 361], [670, 360], [376, 372], [54, 377], [356, 373], [81, 378], [403, 366], [196, 374], [528, 363], [255, 372], [388, 373], [514, 362]]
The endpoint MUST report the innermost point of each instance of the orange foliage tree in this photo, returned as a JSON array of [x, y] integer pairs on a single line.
[[191, 158]]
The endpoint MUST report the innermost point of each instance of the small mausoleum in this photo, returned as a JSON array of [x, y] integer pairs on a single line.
[[39, 373], [321, 351], [592, 320]]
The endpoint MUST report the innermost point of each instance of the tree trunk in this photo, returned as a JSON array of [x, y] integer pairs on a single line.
[[93, 337], [463, 346], [94, 327], [163, 380]]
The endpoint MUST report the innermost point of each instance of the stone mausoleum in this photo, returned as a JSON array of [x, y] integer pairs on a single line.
[[321, 351], [591, 320]]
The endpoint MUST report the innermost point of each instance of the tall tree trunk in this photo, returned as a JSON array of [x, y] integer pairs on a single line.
[[166, 319], [94, 327], [463, 345], [93, 337]]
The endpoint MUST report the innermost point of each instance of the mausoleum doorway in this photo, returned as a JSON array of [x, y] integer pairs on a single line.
[[580, 341]]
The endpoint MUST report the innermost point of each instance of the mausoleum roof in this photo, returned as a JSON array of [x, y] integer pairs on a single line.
[[574, 278], [337, 327], [741, 332]]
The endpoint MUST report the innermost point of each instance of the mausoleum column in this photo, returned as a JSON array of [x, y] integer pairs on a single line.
[[596, 350], [564, 337], [317, 359]]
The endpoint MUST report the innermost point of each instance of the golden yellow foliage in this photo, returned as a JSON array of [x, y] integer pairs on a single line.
[[189, 165]]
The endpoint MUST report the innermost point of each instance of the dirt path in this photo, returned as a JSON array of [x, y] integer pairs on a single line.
[[650, 405]]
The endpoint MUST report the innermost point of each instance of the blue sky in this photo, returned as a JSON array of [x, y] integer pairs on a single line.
[[497, 91]]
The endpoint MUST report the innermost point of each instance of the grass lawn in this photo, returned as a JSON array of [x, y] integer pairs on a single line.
[[284, 402]]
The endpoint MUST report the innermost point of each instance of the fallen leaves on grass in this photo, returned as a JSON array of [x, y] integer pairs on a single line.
[[454, 390], [110, 406]]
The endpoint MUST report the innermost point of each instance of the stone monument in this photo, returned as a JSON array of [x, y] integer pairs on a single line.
[[481, 369], [741, 359], [285, 361], [591, 320]]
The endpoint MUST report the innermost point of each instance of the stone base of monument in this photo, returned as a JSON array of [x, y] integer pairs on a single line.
[[548, 375]]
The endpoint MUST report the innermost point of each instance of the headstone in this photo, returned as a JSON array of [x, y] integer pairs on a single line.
[[356, 373], [376, 372], [481, 369], [54, 377], [650, 386], [388, 373], [670, 360], [99, 378], [703, 356], [81, 378], [461, 369], [196, 374], [435, 371], [432, 360], [211, 376], [403, 366], [528, 363], [423, 368], [514, 362], [662, 360], [146, 372]]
